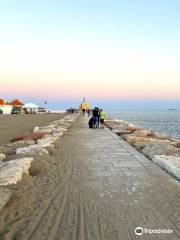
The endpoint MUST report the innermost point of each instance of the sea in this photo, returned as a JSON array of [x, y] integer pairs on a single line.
[[164, 121]]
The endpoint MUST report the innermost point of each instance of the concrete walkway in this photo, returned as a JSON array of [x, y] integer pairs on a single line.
[[126, 189], [105, 189]]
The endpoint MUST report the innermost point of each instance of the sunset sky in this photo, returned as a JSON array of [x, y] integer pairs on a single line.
[[113, 52]]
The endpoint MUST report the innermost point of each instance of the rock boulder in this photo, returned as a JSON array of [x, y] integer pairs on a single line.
[[32, 149], [2, 156], [19, 144], [131, 139], [5, 195], [141, 133], [152, 149], [11, 171], [32, 136], [159, 135], [171, 164]]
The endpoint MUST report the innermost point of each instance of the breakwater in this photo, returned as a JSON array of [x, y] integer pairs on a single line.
[[158, 147]]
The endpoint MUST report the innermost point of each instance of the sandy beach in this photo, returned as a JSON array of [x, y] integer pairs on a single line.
[[14, 125]]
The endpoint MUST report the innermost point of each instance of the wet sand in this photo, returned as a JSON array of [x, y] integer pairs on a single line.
[[14, 125], [95, 186]]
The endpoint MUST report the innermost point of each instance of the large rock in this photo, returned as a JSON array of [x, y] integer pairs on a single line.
[[152, 149], [50, 149], [7, 150], [57, 134], [2, 156], [70, 120], [55, 122], [32, 149], [131, 125], [171, 164], [12, 171], [121, 132], [133, 139], [36, 129], [142, 133], [132, 129], [117, 126], [19, 144], [5, 195], [61, 129], [175, 144], [159, 135], [140, 145], [47, 140], [41, 164], [32, 136], [62, 123], [48, 128]]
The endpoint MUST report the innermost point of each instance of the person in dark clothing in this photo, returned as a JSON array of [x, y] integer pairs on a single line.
[[96, 115], [89, 112], [98, 119], [84, 112], [91, 122], [95, 112]]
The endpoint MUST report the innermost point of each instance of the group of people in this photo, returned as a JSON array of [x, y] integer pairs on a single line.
[[88, 111], [97, 119]]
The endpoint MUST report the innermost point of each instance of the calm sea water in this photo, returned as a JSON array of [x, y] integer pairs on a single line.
[[165, 121]]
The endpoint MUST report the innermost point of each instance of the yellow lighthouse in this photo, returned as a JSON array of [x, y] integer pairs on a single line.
[[84, 105]]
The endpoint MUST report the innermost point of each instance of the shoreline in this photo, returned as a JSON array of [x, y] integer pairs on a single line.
[[162, 121], [158, 147]]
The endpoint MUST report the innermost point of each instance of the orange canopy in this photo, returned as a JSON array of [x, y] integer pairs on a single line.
[[2, 102], [16, 102]]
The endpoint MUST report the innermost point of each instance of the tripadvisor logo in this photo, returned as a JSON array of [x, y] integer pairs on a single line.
[[139, 231]]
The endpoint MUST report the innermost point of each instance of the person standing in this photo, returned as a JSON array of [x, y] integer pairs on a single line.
[[102, 117], [83, 111], [89, 112], [96, 116]]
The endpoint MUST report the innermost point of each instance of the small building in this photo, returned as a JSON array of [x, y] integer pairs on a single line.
[[17, 106], [13, 107], [5, 107]]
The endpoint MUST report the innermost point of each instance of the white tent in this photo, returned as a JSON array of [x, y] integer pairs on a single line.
[[31, 107], [6, 109]]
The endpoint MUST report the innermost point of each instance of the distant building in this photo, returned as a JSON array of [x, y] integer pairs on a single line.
[[5, 107], [13, 107], [17, 106]]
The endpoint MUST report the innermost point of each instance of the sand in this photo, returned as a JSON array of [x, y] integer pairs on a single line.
[[14, 125]]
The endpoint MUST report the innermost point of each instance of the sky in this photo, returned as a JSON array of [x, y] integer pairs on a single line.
[[120, 54]]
